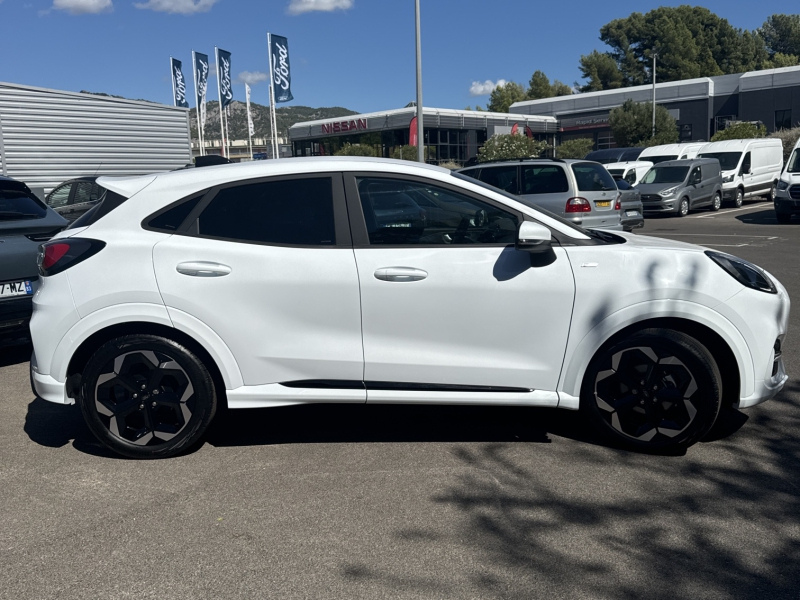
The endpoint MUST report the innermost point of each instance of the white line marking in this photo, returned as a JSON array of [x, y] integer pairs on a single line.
[[725, 245], [726, 211], [714, 235]]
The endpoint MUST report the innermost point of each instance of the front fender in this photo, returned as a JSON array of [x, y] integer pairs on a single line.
[[582, 348]]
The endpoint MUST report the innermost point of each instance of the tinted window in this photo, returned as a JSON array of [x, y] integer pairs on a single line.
[[746, 163], [83, 192], [15, 206], [666, 175], [727, 160], [695, 177], [294, 211], [630, 154], [407, 212], [504, 178], [592, 177], [59, 196], [794, 162], [172, 219], [630, 176], [544, 179]]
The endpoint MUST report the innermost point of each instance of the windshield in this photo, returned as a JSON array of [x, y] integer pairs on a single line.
[[728, 161], [793, 165], [18, 205], [604, 157], [658, 159], [592, 177], [666, 175]]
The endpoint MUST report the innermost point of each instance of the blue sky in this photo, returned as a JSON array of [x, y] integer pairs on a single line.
[[353, 53]]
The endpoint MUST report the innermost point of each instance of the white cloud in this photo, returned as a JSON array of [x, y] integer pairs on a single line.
[[181, 7], [298, 7], [83, 7], [252, 77], [484, 88]]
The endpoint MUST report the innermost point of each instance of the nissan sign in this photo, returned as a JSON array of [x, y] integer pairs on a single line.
[[344, 126]]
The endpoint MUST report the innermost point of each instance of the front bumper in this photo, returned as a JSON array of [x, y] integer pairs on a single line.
[[668, 205], [766, 389], [784, 204]]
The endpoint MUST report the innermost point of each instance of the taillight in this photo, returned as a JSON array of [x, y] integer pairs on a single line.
[[578, 205], [618, 204], [59, 255]]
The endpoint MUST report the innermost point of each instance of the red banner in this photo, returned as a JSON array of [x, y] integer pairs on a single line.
[[412, 132]]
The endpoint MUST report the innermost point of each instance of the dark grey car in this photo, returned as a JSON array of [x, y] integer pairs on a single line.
[[25, 222], [678, 186]]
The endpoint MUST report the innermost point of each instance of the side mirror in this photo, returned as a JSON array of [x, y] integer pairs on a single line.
[[533, 237]]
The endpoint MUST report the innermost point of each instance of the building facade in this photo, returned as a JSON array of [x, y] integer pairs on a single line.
[[700, 106]]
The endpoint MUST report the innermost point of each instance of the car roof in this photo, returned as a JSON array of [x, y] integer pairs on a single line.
[[8, 183], [734, 145], [527, 161], [687, 162]]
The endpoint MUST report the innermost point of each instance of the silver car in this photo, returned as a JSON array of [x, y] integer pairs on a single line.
[[580, 191]]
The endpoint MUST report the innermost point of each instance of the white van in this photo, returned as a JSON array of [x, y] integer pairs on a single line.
[[787, 196], [750, 168], [657, 154], [632, 171]]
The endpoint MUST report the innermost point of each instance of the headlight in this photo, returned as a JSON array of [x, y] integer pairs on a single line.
[[668, 192], [783, 185], [748, 274], [728, 178]]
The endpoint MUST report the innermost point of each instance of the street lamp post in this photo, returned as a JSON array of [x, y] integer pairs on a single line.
[[420, 130], [655, 55]]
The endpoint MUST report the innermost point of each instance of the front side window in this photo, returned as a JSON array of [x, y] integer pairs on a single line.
[[59, 196], [292, 212], [400, 212], [793, 166], [695, 177], [630, 176], [592, 177], [504, 178], [746, 163], [544, 179]]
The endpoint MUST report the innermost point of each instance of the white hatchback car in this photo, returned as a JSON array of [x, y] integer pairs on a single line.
[[377, 281]]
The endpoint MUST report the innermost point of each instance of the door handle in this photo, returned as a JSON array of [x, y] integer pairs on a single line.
[[400, 274], [203, 269]]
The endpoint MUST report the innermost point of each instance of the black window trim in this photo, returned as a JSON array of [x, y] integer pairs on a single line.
[[190, 227], [358, 224]]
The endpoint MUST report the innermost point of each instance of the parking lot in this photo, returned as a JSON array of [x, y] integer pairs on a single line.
[[413, 501]]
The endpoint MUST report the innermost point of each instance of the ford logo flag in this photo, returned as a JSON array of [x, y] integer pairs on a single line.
[[281, 73], [178, 84]]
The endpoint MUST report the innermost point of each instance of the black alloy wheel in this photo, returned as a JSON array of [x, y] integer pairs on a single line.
[[716, 203], [683, 207], [145, 396], [739, 198], [658, 389]]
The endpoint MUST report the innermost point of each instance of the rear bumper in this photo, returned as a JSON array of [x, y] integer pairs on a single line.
[[47, 387], [15, 315]]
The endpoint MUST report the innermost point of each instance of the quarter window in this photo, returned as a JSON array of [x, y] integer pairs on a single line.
[[292, 212], [399, 212], [547, 179]]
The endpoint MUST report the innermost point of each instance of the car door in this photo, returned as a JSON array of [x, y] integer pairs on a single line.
[[696, 188], [268, 266], [746, 172], [455, 309]]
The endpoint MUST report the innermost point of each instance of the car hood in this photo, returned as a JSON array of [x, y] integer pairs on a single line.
[[646, 242], [654, 188]]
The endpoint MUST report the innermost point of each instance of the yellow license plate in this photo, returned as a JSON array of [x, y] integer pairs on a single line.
[[603, 203]]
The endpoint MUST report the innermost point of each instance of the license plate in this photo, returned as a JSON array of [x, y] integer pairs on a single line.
[[15, 288], [603, 203], [632, 213]]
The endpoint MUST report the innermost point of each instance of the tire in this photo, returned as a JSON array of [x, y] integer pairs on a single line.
[[739, 198], [716, 202], [683, 207], [146, 396], [773, 193], [676, 406], [783, 218]]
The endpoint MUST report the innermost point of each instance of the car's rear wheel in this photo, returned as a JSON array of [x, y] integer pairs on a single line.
[[716, 203], [146, 396], [657, 389], [683, 207]]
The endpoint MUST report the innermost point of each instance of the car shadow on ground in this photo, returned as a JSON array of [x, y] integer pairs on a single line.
[[762, 217], [15, 353]]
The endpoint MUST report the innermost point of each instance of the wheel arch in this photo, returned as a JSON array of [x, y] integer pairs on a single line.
[[731, 355]]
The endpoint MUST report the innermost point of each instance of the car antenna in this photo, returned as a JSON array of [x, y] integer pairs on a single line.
[[98, 168]]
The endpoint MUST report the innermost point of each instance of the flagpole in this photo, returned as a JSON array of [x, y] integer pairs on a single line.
[[273, 117], [227, 135], [249, 120], [197, 105], [219, 94]]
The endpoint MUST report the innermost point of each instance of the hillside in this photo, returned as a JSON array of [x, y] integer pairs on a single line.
[[237, 121]]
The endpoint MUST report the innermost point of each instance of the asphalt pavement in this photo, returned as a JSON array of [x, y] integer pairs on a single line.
[[413, 502]]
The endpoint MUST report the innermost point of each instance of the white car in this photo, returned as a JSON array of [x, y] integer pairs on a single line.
[[279, 282]]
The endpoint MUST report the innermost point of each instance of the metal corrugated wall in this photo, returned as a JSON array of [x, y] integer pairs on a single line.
[[49, 136]]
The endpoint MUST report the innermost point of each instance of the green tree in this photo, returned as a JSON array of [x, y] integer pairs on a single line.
[[602, 72], [510, 146], [781, 34], [356, 150], [406, 152], [577, 148], [504, 96], [789, 138], [784, 60], [740, 131], [632, 125], [539, 86]]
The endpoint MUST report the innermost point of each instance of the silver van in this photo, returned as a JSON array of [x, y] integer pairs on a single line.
[[678, 186], [580, 191]]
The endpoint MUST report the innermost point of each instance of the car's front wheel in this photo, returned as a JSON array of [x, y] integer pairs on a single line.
[[657, 389], [146, 396], [716, 203], [683, 207], [739, 198]]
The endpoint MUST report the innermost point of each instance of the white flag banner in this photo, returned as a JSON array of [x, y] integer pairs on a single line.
[[250, 127]]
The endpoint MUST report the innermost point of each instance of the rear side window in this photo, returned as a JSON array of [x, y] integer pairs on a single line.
[[592, 177], [544, 179], [59, 196], [504, 178], [18, 205], [292, 212], [172, 219]]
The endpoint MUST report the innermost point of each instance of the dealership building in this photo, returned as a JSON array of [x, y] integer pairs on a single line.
[[449, 134], [701, 106]]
